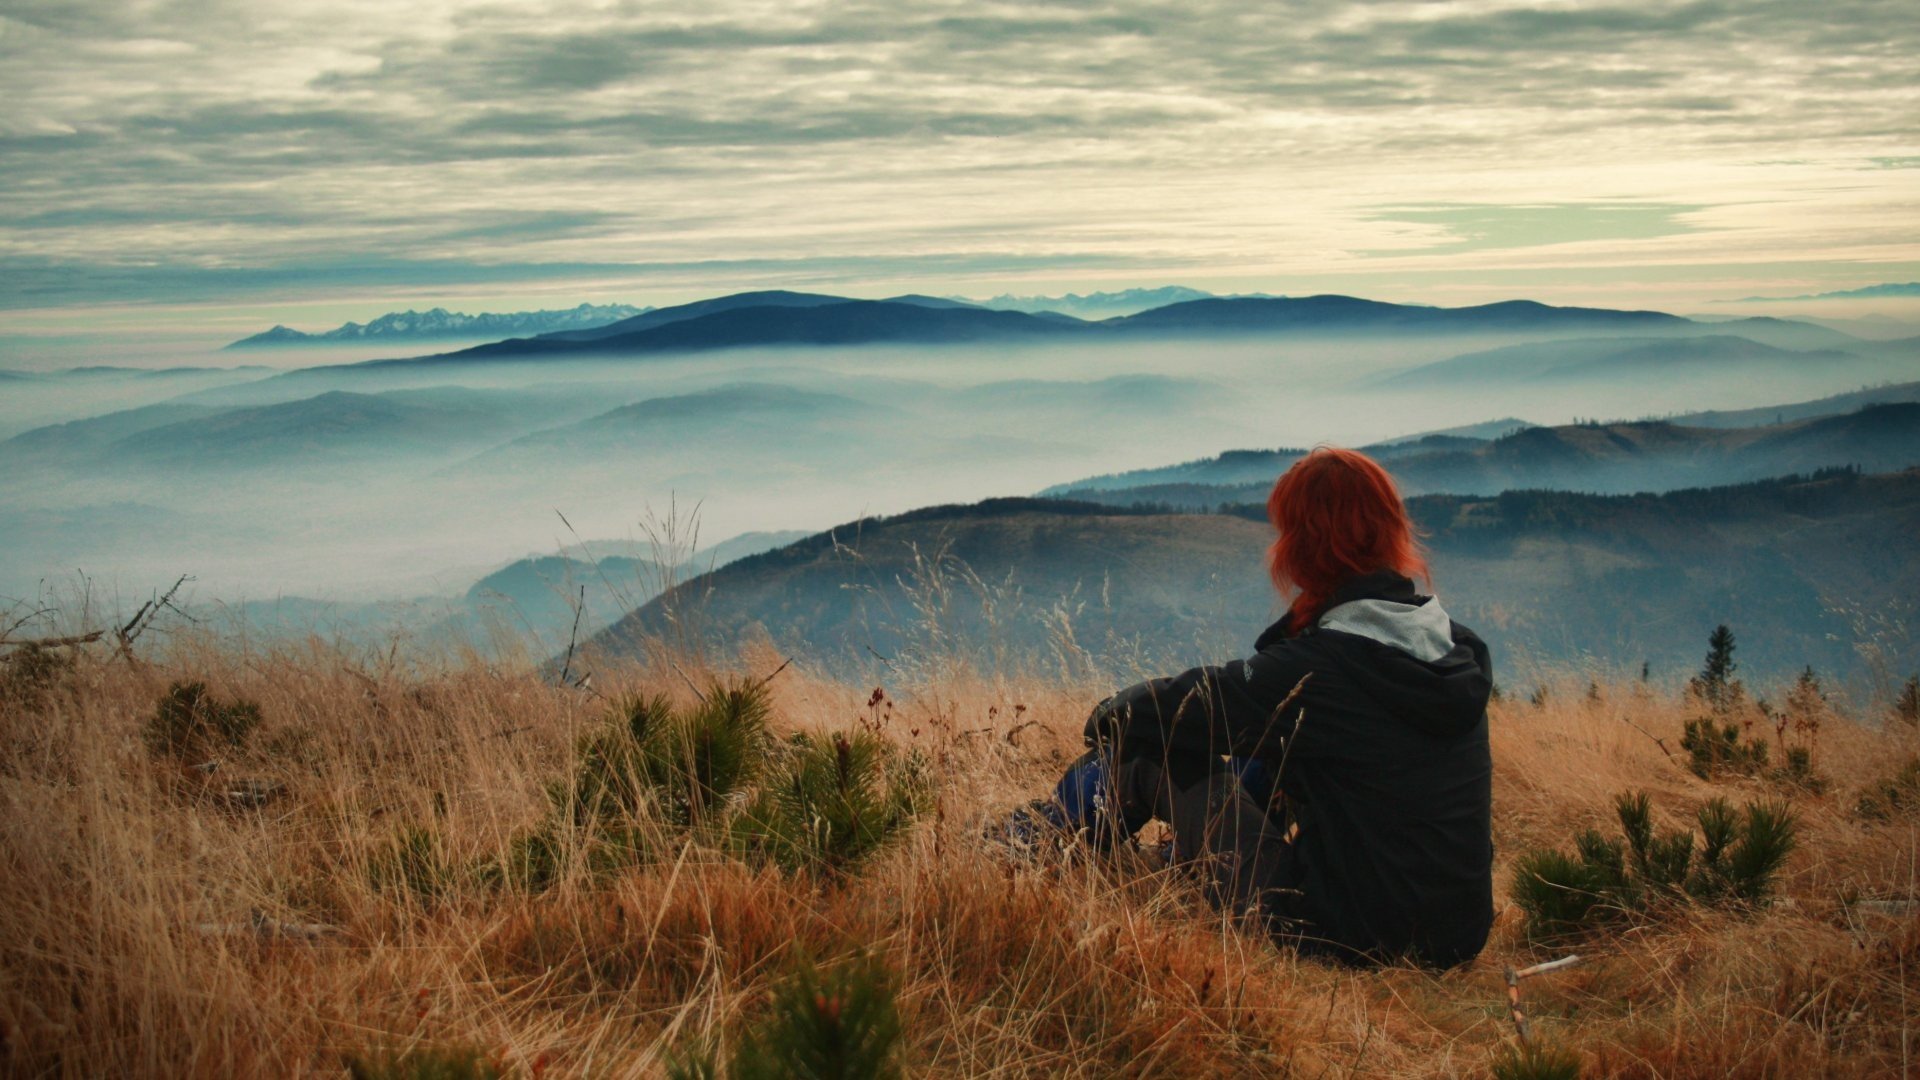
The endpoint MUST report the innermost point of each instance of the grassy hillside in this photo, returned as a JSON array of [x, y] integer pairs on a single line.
[[1813, 571], [378, 876]]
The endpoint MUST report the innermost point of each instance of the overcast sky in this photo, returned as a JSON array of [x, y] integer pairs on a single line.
[[336, 157]]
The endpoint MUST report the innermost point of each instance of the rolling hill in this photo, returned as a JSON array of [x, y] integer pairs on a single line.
[[1648, 455], [1595, 582], [1713, 355], [333, 425]]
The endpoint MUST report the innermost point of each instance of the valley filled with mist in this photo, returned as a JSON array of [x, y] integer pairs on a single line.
[[366, 495]]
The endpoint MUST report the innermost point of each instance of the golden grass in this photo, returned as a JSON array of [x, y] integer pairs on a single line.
[[138, 907]]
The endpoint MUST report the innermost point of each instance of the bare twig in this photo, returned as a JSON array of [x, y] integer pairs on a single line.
[[566, 669], [1286, 750], [1657, 740], [259, 925], [761, 685], [1551, 965], [1518, 1011]]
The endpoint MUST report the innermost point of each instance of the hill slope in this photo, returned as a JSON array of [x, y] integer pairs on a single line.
[[1551, 576]]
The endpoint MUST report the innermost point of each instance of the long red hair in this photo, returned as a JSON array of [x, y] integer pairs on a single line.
[[1339, 517]]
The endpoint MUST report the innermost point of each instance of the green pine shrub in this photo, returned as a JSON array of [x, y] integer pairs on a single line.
[[189, 720], [840, 1024], [1605, 881], [698, 1060], [1535, 1061], [832, 801], [30, 674], [1893, 795], [1715, 749], [425, 1063], [413, 863], [683, 765], [1906, 707]]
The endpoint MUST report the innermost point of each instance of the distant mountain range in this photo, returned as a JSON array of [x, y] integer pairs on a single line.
[[1568, 579], [1649, 455], [441, 324], [790, 319], [1868, 292], [1096, 305]]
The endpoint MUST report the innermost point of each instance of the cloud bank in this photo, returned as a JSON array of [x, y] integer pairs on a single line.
[[156, 150]]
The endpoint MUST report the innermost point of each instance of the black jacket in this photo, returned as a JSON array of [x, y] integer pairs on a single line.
[[1388, 777]]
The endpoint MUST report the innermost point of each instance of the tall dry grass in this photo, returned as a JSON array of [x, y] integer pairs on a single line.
[[155, 923]]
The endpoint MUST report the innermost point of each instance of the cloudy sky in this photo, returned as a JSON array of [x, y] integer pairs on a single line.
[[308, 160]]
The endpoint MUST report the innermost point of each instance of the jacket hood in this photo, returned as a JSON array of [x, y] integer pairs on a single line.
[[1408, 654]]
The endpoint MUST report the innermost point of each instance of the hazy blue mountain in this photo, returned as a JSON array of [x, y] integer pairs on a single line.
[[89, 437], [1095, 305], [715, 426], [333, 424], [1486, 429], [1083, 401], [931, 301], [1596, 582], [1781, 333], [847, 322], [1345, 314], [786, 319], [1868, 292], [1802, 410], [530, 600], [441, 324], [681, 312], [1725, 356], [1653, 455]]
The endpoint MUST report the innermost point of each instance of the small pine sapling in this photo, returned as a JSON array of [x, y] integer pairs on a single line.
[[1604, 880], [1893, 795], [1906, 707], [1535, 1061], [832, 802], [841, 1024], [1714, 748], [425, 1063], [1715, 684]]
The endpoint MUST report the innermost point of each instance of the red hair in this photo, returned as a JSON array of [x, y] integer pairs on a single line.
[[1339, 517]]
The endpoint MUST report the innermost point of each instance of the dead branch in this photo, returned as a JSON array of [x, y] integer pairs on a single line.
[[51, 642], [149, 611], [259, 925]]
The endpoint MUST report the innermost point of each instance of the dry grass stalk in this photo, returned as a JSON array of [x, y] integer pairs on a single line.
[[146, 932]]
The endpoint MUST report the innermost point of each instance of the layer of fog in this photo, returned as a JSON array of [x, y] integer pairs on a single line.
[[759, 440]]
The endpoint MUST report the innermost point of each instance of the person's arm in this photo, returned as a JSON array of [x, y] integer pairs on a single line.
[[1238, 708]]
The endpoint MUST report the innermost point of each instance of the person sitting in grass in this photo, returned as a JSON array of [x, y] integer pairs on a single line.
[[1337, 784]]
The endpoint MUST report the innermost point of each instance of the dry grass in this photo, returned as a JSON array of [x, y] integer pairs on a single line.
[[138, 902]]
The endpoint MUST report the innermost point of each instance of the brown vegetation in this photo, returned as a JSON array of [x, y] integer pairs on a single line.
[[319, 896]]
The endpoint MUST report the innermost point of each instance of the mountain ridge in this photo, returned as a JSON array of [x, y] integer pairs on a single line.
[[780, 318], [439, 323]]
